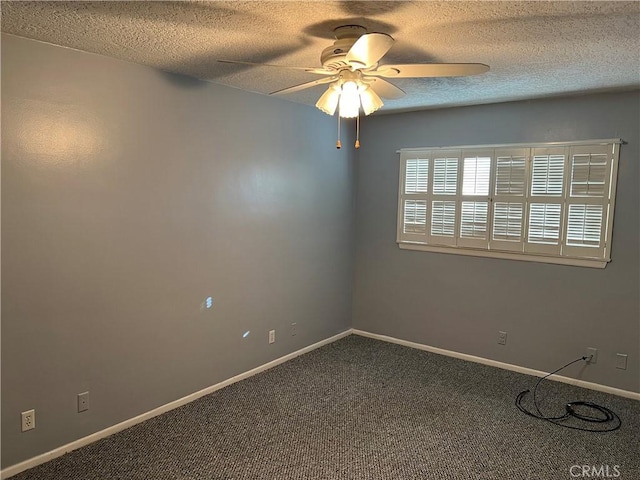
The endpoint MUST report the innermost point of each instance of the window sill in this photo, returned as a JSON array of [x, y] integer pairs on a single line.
[[576, 262]]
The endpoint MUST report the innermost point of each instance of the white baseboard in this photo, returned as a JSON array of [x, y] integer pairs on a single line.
[[506, 366], [45, 457], [94, 437]]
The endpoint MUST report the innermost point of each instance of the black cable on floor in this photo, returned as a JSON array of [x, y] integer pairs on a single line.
[[601, 415]]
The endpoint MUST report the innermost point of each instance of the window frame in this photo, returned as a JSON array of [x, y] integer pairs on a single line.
[[563, 253]]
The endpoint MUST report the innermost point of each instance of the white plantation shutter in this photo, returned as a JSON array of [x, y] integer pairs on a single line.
[[473, 221], [474, 201], [443, 214], [585, 225], [445, 174], [509, 196], [415, 216], [507, 225], [414, 186], [511, 172], [551, 203], [588, 200], [546, 199], [444, 198], [544, 223], [548, 173], [476, 174], [417, 175], [589, 172]]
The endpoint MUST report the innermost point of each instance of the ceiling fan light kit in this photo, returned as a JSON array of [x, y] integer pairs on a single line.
[[349, 93], [350, 67], [328, 102], [370, 100]]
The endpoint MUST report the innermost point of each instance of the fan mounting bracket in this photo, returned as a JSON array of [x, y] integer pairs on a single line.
[[349, 31]]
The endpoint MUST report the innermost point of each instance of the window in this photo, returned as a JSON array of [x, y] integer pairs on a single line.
[[546, 202]]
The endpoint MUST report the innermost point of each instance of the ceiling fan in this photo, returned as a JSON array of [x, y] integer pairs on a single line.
[[356, 79]]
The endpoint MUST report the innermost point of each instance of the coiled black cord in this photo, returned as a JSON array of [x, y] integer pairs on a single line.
[[603, 415]]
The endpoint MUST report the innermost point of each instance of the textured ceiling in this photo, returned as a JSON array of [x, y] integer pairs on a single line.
[[535, 49]]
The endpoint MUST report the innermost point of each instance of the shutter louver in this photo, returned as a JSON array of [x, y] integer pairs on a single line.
[[415, 216], [588, 175], [417, 176], [445, 176], [507, 222], [476, 175], [473, 221], [443, 218], [584, 227], [510, 175], [548, 175], [544, 223]]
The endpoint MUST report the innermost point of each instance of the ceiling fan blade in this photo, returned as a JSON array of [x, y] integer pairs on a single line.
[[302, 86], [417, 70], [385, 89], [369, 49], [318, 71]]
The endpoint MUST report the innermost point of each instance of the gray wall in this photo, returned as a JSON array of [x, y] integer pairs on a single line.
[[451, 301], [128, 197]]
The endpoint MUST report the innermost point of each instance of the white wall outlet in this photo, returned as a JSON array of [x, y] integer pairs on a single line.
[[593, 353], [83, 402], [621, 361], [294, 329], [28, 420], [272, 336], [502, 338]]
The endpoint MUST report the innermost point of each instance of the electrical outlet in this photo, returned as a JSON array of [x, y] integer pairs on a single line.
[[272, 336], [83, 402], [502, 338], [28, 420], [593, 353], [294, 329], [621, 361]]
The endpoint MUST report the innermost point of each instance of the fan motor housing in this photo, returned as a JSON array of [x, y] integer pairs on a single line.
[[333, 57]]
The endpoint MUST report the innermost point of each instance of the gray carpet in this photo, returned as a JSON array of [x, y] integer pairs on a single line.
[[361, 409]]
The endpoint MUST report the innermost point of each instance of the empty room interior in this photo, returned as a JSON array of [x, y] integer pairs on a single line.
[[320, 240]]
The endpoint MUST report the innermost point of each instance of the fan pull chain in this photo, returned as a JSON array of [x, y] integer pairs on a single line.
[[358, 130], [338, 143]]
